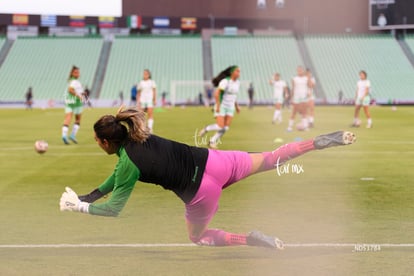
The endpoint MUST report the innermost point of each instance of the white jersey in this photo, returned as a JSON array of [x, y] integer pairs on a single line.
[[146, 88], [77, 86], [301, 89], [231, 90], [362, 86], [278, 89]]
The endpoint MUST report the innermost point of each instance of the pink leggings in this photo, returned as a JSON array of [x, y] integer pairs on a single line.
[[223, 168]]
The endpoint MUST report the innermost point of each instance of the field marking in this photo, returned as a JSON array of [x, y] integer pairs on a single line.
[[146, 245]]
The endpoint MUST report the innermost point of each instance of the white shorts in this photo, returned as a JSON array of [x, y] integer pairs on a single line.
[[224, 111], [147, 104], [278, 100]]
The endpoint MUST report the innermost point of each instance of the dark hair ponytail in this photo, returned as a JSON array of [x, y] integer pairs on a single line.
[[71, 71], [126, 125], [223, 74]]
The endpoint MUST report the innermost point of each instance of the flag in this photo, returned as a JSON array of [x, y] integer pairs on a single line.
[[106, 22], [20, 19], [188, 23], [161, 22], [48, 20], [134, 21], [77, 21]]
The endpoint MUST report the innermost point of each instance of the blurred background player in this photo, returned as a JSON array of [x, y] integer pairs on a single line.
[[147, 97], [74, 105], [362, 99], [228, 87], [196, 175], [300, 92], [250, 93], [311, 95], [29, 98], [133, 100], [279, 92]]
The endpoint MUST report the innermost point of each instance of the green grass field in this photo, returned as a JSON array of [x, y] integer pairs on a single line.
[[326, 204]]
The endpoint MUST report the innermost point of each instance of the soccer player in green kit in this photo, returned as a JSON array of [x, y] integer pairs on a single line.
[[74, 105], [196, 175]]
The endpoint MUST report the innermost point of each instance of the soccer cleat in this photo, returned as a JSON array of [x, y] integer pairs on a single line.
[[65, 140], [289, 129], [73, 139], [256, 238], [202, 132], [337, 138]]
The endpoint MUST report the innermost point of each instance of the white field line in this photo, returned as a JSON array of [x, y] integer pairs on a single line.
[[145, 245]]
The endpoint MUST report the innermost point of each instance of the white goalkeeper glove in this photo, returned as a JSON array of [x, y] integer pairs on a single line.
[[69, 201]]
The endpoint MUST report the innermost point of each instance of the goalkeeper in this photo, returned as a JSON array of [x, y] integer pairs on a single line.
[[196, 175]]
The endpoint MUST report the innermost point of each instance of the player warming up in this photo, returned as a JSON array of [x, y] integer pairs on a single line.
[[228, 87], [362, 99], [74, 104], [279, 92], [196, 175], [147, 97]]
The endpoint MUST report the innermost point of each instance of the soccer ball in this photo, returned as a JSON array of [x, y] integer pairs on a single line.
[[41, 146], [301, 127]]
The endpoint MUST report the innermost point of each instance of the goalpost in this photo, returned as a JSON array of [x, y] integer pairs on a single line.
[[187, 92]]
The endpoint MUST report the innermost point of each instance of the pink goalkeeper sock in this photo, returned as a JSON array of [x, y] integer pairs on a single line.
[[216, 237], [285, 153]]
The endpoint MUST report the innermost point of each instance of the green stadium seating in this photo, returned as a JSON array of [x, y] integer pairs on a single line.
[[168, 59], [44, 64], [339, 58], [259, 58]]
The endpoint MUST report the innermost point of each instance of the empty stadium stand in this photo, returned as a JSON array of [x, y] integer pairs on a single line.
[[44, 64], [259, 58], [168, 58], [339, 58]]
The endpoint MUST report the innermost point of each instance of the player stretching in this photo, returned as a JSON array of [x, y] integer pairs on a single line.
[[147, 97], [74, 103], [279, 92], [362, 98], [300, 98], [196, 175], [228, 87]]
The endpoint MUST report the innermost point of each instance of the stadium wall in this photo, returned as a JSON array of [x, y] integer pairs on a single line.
[[301, 16]]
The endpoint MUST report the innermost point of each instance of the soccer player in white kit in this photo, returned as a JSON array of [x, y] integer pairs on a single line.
[[279, 92], [300, 98], [362, 99], [147, 97], [228, 87], [311, 102]]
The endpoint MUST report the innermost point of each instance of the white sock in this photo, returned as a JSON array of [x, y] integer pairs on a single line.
[[369, 121], [213, 127], [356, 120], [305, 122], [291, 122], [216, 137], [65, 130], [150, 124], [277, 114], [75, 130], [310, 119]]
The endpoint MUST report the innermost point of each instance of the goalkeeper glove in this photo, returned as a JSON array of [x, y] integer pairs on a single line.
[[69, 201]]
